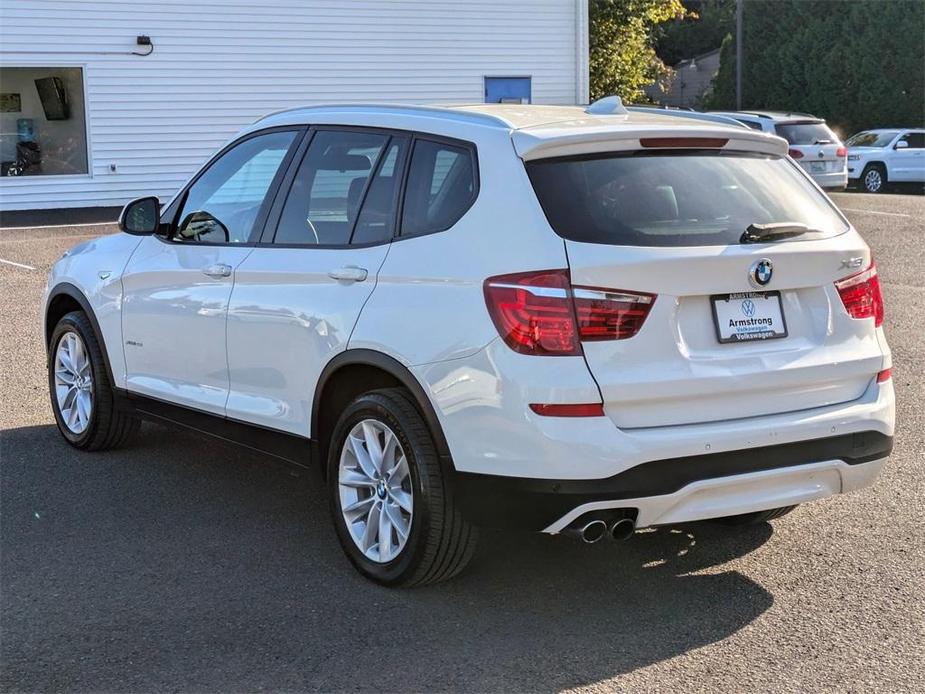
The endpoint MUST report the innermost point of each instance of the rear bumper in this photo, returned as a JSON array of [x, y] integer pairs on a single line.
[[683, 489], [835, 180]]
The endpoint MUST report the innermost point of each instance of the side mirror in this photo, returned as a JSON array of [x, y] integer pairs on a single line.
[[902, 144], [141, 217]]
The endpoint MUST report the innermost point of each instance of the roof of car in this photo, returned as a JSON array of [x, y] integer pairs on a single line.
[[777, 116], [507, 116], [538, 130]]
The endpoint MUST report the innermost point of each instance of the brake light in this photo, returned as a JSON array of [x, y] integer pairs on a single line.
[[607, 314], [540, 313], [841, 152], [795, 153], [684, 142], [860, 293], [533, 312]]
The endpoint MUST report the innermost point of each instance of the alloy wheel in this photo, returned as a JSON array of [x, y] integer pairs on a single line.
[[376, 494], [873, 181], [73, 382]]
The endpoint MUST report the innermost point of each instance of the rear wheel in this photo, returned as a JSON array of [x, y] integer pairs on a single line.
[[394, 513], [873, 179], [756, 517], [81, 394]]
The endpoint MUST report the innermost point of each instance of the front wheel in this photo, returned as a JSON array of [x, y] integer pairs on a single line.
[[395, 517], [873, 179], [81, 394]]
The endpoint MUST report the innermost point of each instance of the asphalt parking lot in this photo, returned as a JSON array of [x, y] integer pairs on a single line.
[[183, 564]]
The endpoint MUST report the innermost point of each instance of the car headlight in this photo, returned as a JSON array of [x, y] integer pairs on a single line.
[[854, 157]]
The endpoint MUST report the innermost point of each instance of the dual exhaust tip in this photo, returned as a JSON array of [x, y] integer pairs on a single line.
[[595, 530]]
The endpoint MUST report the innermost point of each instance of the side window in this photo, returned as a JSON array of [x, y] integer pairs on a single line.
[[915, 140], [376, 222], [224, 203], [441, 187], [329, 187]]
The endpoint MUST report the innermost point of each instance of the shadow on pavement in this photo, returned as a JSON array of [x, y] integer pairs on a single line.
[[184, 564]]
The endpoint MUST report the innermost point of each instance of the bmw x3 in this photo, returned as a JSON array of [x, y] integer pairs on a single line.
[[564, 320]]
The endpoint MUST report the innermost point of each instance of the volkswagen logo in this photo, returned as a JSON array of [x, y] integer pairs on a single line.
[[760, 273], [748, 308]]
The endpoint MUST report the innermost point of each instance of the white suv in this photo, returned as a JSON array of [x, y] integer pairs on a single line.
[[812, 144], [526, 316], [878, 157]]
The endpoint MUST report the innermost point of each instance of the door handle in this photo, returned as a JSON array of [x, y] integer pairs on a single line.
[[350, 273], [217, 271]]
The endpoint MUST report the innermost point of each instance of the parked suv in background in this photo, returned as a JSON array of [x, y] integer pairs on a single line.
[[812, 144], [549, 318], [888, 155]]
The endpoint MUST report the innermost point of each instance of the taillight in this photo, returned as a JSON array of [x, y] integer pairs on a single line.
[[533, 312], [606, 314], [860, 293], [884, 375], [795, 153], [841, 152], [540, 312]]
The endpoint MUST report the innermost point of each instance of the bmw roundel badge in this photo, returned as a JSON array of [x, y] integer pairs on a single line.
[[760, 272]]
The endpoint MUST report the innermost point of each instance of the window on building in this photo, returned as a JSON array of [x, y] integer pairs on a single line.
[[43, 128]]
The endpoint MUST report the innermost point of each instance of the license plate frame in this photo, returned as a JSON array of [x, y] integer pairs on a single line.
[[749, 335], [818, 167]]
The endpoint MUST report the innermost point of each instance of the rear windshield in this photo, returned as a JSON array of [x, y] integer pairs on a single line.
[[806, 133], [689, 198]]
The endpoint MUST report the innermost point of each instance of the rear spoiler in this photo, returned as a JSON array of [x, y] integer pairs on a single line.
[[566, 140]]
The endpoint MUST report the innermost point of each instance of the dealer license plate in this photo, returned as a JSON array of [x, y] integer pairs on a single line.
[[748, 316]]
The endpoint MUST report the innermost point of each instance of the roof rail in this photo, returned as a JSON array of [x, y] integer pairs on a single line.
[[691, 115]]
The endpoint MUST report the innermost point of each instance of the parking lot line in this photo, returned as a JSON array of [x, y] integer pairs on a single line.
[[58, 226], [886, 214], [10, 262]]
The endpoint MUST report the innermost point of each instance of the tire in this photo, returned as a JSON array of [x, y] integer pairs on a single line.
[[439, 542], [756, 517], [104, 426], [873, 178]]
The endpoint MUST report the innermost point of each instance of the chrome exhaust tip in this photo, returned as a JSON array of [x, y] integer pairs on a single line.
[[622, 529], [593, 531], [589, 533]]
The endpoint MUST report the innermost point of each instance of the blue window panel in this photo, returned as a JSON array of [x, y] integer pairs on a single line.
[[508, 90]]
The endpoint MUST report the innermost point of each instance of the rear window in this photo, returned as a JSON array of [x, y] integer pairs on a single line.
[[690, 198], [806, 133]]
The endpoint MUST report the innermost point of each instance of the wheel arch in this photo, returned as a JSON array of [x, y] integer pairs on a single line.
[[355, 371], [63, 299]]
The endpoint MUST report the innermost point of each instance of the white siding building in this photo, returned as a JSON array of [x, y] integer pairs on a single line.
[[85, 120]]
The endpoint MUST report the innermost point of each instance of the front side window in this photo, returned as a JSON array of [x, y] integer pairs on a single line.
[[872, 139], [680, 198], [441, 187], [224, 203], [915, 140], [330, 186]]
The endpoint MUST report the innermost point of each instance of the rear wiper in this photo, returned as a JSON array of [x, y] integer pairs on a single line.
[[822, 142], [762, 233]]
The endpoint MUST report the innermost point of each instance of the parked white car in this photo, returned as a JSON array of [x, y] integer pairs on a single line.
[[563, 320], [812, 144], [888, 155]]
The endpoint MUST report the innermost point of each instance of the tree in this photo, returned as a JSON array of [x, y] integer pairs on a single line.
[[856, 64], [622, 57], [703, 28]]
